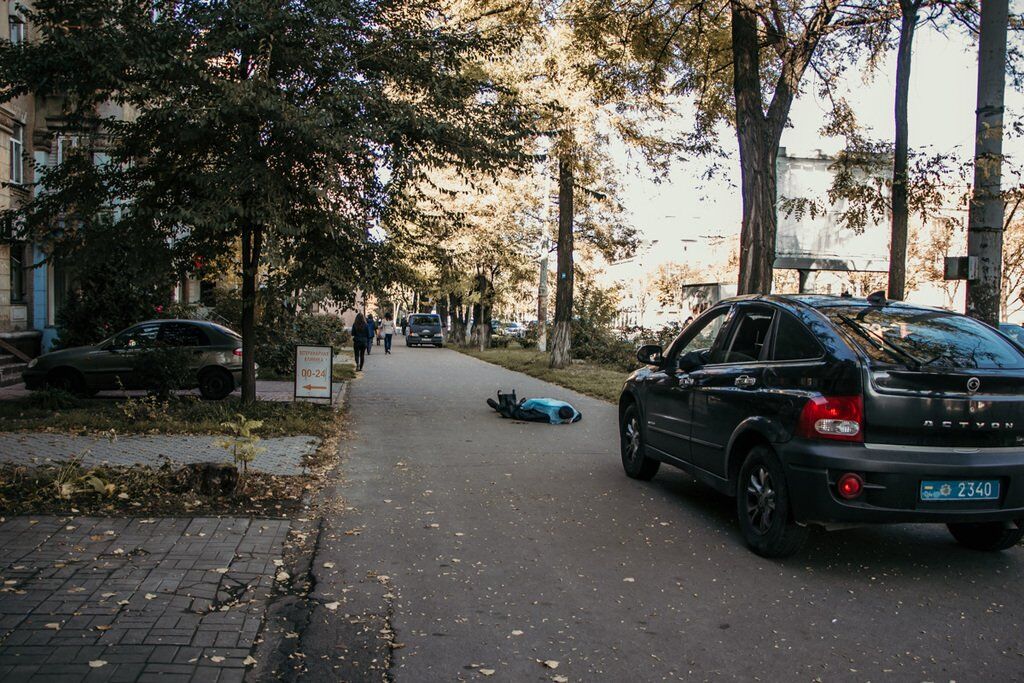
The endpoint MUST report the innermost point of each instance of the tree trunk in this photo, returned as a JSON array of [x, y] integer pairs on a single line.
[[757, 157], [561, 336], [442, 310], [759, 132], [985, 217], [252, 245], [898, 239], [457, 331]]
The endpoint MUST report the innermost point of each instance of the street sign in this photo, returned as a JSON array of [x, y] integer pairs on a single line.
[[313, 370]]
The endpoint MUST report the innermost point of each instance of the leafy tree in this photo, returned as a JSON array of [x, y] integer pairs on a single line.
[[117, 283], [283, 130]]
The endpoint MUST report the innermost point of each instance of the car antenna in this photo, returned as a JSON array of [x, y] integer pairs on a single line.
[[877, 298]]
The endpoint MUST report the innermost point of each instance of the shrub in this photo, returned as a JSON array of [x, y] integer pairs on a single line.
[[163, 370], [52, 399], [276, 340]]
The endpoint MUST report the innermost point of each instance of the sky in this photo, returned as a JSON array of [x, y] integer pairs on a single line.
[[679, 212]]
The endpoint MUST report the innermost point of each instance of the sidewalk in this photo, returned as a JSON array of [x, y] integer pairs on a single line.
[[87, 599], [283, 454], [266, 390]]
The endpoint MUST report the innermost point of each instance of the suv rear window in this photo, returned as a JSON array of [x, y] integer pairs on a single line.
[[424, 320], [793, 341], [917, 338]]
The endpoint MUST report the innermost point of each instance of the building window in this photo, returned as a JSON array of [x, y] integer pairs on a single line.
[[18, 154], [17, 273], [17, 26]]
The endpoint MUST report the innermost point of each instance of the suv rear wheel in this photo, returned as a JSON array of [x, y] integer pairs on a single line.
[[631, 443], [762, 505], [988, 535]]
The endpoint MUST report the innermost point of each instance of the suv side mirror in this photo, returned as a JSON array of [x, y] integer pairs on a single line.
[[690, 361], [650, 354]]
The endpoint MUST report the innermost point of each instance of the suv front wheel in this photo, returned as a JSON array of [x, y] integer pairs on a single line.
[[631, 443], [762, 505]]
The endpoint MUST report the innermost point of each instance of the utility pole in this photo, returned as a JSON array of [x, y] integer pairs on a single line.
[[985, 217], [542, 297]]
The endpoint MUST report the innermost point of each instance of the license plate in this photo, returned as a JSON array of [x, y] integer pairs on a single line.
[[960, 489]]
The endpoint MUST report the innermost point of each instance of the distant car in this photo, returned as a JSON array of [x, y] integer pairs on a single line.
[[510, 329], [215, 359], [425, 330], [1014, 332]]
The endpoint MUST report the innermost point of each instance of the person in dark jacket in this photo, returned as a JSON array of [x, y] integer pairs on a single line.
[[371, 332], [360, 340]]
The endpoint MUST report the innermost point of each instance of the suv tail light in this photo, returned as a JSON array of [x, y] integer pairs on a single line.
[[237, 352], [832, 417]]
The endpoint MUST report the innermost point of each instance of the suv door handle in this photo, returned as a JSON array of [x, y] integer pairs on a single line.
[[745, 381]]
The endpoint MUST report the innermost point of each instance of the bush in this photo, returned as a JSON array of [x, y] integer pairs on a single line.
[[163, 370], [276, 342], [52, 399]]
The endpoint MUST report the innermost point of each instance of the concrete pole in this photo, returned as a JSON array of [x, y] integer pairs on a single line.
[[985, 217], [542, 298]]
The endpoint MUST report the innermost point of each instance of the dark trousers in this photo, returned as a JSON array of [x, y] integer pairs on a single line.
[[360, 350], [387, 343]]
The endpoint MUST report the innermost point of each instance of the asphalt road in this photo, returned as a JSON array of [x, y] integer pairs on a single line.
[[477, 544]]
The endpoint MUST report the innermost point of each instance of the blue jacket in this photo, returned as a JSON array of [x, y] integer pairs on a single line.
[[550, 406], [371, 329]]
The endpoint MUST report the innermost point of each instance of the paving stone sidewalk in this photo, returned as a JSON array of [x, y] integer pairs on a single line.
[[283, 455], [85, 599]]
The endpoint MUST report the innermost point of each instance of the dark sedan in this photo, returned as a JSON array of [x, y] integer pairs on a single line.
[[213, 352]]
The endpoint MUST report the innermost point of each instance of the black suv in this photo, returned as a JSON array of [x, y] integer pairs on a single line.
[[837, 411]]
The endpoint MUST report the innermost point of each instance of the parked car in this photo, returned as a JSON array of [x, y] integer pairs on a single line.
[[1014, 332], [215, 359], [509, 329], [836, 411], [425, 330]]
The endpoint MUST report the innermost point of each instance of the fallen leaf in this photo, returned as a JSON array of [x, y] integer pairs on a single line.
[[560, 679], [331, 605], [103, 627], [486, 672], [150, 596], [283, 576], [216, 659], [517, 632], [97, 663], [551, 663], [249, 661], [122, 496], [629, 579], [220, 570], [328, 565], [278, 563], [53, 626], [107, 595]]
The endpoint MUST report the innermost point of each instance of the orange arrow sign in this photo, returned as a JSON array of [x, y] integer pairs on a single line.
[[308, 387]]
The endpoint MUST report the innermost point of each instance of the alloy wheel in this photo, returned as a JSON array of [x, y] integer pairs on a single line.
[[761, 500], [632, 440]]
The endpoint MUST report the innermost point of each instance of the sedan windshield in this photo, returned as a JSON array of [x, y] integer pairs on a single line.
[[919, 338]]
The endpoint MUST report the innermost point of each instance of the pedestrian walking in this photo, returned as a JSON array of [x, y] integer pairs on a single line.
[[388, 328], [405, 323], [371, 331], [360, 340]]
